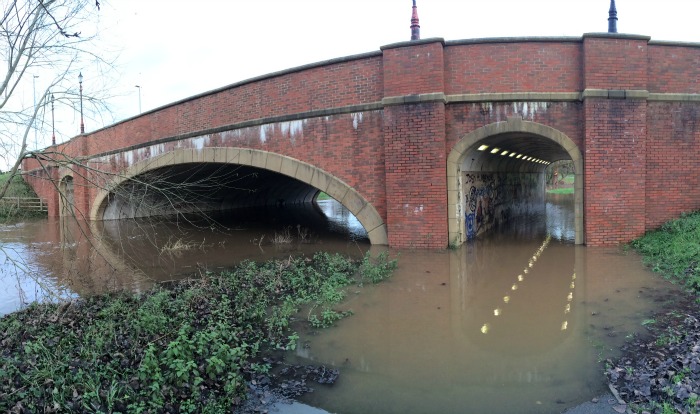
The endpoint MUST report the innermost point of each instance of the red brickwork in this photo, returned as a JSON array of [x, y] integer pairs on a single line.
[[335, 85], [674, 69], [615, 171], [615, 63], [673, 151], [414, 70], [462, 119], [513, 67], [416, 183]]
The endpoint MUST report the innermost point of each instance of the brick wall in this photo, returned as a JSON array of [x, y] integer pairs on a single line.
[[674, 69], [673, 151], [513, 67], [414, 70], [615, 170], [349, 82], [416, 184], [615, 63]]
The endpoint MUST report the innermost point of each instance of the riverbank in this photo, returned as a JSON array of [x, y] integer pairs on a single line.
[[16, 187], [201, 345], [659, 371]]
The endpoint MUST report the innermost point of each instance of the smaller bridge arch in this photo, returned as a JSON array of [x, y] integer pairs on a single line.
[[514, 126], [66, 195], [303, 172]]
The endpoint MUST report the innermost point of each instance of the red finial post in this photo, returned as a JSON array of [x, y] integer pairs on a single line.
[[415, 27]]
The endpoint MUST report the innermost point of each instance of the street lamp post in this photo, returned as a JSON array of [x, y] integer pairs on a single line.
[[80, 81], [36, 140], [53, 124], [139, 88]]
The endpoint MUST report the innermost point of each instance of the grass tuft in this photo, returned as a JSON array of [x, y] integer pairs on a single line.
[[674, 250]]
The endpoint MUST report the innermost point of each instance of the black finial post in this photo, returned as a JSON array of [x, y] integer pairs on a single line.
[[80, 81], [612, 18], [415, 27], [53, 124]]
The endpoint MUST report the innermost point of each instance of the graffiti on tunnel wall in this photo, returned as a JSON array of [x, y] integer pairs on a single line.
[[494, 198]]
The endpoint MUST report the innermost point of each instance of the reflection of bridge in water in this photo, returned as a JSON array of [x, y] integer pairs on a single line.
[[69, 256]]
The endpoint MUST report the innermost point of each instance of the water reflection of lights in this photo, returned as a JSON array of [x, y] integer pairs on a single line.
[[498, 311], [569, 299]]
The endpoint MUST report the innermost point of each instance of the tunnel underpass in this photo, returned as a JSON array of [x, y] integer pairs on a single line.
[[501, 178]]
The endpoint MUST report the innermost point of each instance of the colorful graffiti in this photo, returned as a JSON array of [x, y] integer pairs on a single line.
[[494, 198]]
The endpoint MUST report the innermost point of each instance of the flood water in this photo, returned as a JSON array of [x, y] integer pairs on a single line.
[[518, 321]]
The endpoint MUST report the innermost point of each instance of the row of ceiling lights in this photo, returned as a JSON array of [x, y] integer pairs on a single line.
[[512, 154]]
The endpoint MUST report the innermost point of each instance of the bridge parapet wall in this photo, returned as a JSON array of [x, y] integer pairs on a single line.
[[341, 83], [674, 68], [513, 65]]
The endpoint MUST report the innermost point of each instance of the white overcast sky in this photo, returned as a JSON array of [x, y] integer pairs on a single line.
[[175, 49]]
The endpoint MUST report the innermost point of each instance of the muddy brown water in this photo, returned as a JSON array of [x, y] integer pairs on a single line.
[[516, 322]]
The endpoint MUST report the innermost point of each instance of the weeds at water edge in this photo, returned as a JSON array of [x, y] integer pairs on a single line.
[[190, 348]]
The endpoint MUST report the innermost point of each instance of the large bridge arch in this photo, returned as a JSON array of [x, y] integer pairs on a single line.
[[514, 125], [365, 212]]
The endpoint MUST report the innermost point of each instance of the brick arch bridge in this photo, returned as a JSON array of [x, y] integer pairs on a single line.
[[428, 142]]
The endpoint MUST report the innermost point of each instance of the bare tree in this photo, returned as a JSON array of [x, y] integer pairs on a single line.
[[46, 39]]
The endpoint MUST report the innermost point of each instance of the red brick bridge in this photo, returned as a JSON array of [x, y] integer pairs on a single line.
[[424, 141]]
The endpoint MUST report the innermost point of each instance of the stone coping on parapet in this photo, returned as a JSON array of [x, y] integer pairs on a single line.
[[673, 43], [413, 43], [515, 96], [606, 35], [526, 39]]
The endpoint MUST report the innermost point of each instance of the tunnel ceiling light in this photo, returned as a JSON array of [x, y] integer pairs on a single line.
[[512, 154], [519, 156], [504, 152], [495, 150], [483, 147]]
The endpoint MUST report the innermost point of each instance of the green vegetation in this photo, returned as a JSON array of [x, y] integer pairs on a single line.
[[674, 251], [567, 190], [17, 188], [323, 196], [662, 362], [188, 348]]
